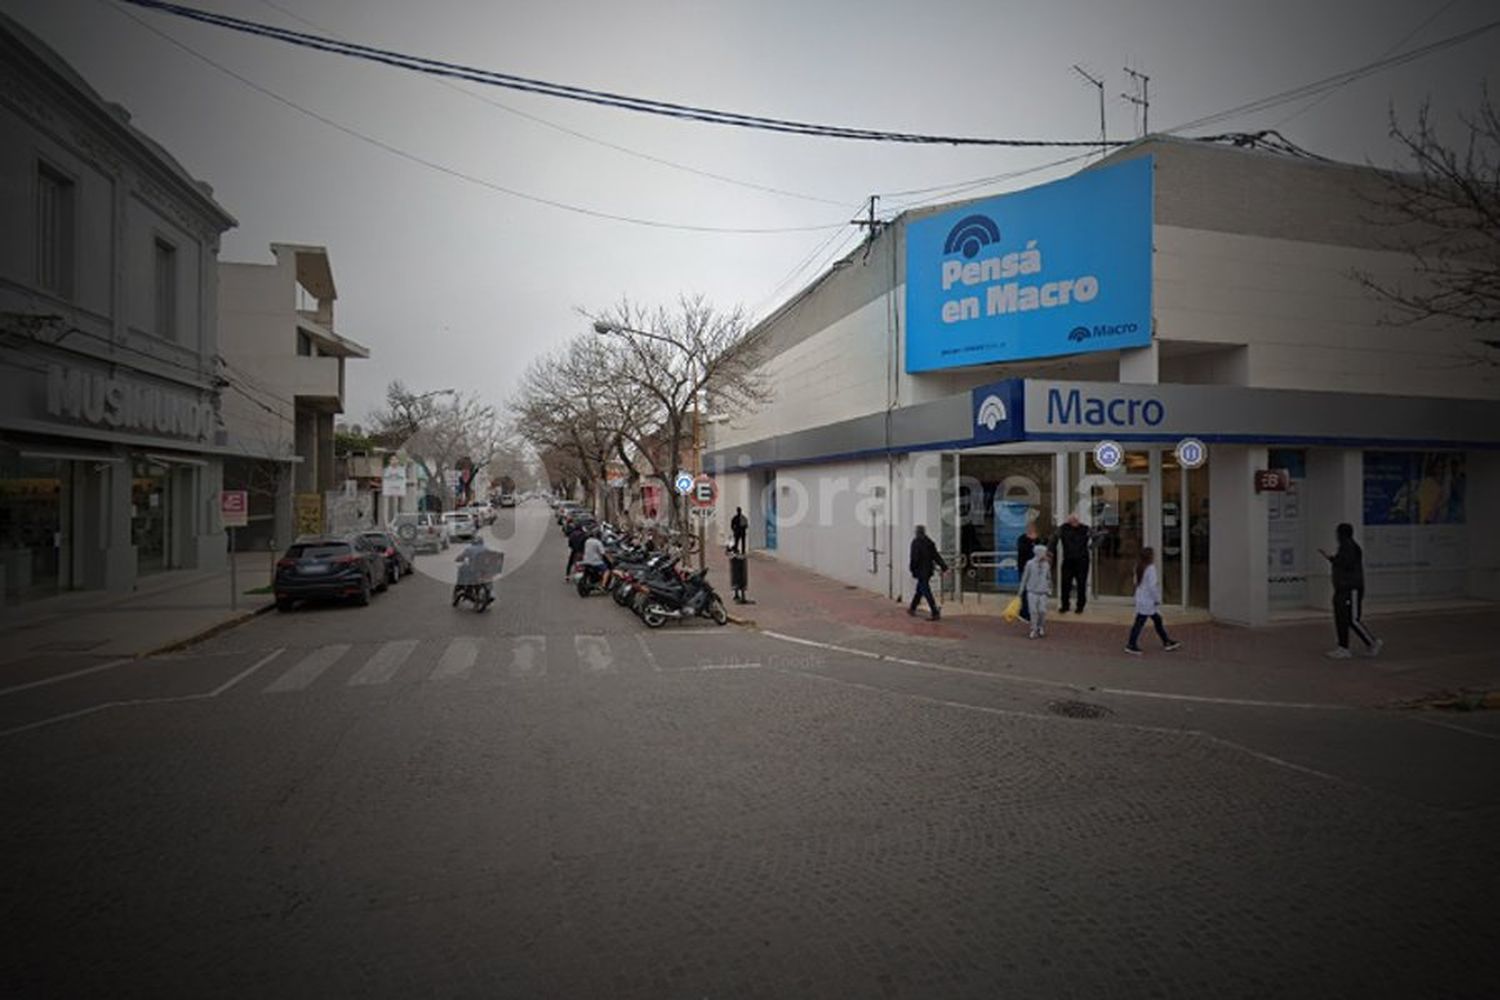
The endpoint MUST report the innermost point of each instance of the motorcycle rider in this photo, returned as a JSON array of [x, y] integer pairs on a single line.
[[595, 561], [468, 572]]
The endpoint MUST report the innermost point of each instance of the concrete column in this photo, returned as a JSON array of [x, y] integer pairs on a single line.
[[118, 569], [283, 530], [1484, 544], [210, 546], [306, 443], [1141, 365], [324, 452], [1238, 589]]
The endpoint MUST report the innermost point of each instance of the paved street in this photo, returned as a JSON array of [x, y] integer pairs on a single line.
[[550, 800]]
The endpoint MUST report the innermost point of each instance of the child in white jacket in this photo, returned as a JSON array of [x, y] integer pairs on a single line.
[[1148, 604], [1036, 584]]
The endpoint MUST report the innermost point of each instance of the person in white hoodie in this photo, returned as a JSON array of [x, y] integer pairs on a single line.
[[1148, 604], [1036, 585]]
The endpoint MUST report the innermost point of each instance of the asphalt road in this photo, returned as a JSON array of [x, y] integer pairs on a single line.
[[547, 800]]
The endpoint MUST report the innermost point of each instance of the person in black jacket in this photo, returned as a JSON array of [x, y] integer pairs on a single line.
[[1073, 540], [925, 558], [738, 526], [1348, 566]]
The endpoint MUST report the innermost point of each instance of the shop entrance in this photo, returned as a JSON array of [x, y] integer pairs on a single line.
[[1118, 513]]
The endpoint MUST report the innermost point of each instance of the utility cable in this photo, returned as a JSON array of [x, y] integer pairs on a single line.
[[585, 137], [604, 98], [451, 171]]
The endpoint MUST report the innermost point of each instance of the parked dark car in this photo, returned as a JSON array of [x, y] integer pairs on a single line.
[[329, 567], [398, 554]]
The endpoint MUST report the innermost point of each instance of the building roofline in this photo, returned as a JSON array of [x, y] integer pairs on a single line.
[[113, 118]]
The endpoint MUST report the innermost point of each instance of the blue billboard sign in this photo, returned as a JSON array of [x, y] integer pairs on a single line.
[[1064, 268]]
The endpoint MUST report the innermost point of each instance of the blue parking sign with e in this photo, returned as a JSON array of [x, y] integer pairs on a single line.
[[684, 483]]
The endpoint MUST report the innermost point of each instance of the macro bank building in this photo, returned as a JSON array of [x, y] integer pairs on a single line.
[[1179, 345]]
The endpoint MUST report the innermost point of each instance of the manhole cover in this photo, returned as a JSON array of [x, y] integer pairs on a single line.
[[1077, 709]]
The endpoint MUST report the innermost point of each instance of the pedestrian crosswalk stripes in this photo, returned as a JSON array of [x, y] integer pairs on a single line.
[[529, 656], [458, 659], [382, 666], [309, 668], [593, 653]]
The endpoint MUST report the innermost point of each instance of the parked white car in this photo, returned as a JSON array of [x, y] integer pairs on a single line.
[[460, 525], [424, 531]]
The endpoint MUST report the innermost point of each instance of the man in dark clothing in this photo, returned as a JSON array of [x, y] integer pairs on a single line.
[[1073, 540], [576, 539], [925, 558], [738, 525], [1025, 549], [1348, 570]]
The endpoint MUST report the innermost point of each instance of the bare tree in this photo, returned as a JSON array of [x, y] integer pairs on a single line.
[[438, 435], [686, 363], [1446, 215]]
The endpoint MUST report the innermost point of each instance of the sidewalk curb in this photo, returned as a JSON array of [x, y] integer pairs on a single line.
[[207, 633], [1461, 701]]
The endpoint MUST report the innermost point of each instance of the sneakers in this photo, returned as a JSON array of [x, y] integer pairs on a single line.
[[1172, 645], [1033, 634], [1375, 649], [1079, 611], [1338, 653], [1132, 650]]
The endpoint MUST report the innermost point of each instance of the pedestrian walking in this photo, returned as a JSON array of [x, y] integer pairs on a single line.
[[1348, 568], [925, 559], [1148, 604], [1036, 587], [1026, 546], [576, 538], [738, 525], [1073, 544]]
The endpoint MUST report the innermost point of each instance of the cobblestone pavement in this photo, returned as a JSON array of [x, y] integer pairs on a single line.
[[549, 801]]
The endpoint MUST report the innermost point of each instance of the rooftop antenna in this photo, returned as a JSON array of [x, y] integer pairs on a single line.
[[1141, 98], [1099, 85]]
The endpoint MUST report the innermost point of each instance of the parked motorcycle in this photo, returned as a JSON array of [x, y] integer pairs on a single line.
[[691, 597]]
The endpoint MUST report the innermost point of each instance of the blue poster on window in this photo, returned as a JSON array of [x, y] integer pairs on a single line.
[[1011, 517]]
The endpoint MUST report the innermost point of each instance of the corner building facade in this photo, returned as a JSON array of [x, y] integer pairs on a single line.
[[1176, 290], [111, 440]]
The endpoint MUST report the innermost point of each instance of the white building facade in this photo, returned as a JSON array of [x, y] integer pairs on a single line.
[[962, 370], [111, 443], [285, 369]]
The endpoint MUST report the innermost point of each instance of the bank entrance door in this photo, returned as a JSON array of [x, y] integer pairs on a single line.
[[1118, 512]]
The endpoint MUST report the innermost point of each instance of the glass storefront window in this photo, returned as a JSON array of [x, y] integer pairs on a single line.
[[148, 516], [998, 496], [31, 526]]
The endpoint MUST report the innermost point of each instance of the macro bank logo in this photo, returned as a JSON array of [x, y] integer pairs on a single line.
[[970, 235], [1081, 333], [991, 413]]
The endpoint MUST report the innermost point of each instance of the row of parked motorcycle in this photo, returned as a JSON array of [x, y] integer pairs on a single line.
[[652, 584]]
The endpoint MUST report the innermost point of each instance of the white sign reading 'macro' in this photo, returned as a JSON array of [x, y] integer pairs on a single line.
[[116, 401]]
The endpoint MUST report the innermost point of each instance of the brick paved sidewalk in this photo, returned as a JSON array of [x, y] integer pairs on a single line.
[[1425, 653]]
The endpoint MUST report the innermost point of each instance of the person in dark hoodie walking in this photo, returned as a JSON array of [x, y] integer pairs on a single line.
[[1348, 570], [925, 558]]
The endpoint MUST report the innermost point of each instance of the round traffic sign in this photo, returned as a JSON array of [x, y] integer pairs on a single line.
[[705, 492], [683, 483], [1109, 455], [1191, 453]]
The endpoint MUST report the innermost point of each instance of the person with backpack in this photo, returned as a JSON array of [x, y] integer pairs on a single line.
[[1148, 604], [1348, 570], [1036, 587]]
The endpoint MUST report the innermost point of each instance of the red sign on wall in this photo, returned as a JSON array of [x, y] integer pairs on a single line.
[[234, 508], [1272, 480]]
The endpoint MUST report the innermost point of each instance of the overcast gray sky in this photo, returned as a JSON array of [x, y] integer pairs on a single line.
[[452, 284]]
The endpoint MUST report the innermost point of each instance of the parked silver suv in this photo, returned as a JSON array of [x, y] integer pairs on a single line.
[[423, 531]]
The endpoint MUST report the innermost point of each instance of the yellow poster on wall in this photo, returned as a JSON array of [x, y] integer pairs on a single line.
[[309, 513]]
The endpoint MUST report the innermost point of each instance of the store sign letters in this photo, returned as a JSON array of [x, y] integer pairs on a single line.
[[1064, 268], [122, 403], [1072, 408]]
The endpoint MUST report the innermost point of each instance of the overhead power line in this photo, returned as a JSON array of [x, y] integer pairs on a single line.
[[587, 95], [460, 174]]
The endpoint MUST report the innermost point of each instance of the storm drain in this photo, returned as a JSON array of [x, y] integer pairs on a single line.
[[1077, 709]]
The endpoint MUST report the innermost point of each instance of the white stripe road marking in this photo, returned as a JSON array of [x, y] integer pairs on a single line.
[[65, 677], [1047, 682], [594, 653], [529, 656], [646, 649], [309, 668], [458, 659], [204, 696], [384, 663]]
